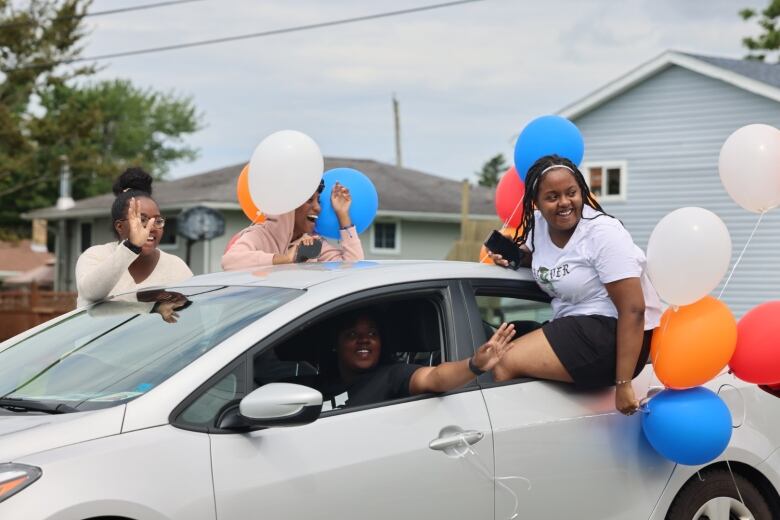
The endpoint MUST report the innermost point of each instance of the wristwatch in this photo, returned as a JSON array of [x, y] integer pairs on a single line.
[[132, 247], [474, 368]]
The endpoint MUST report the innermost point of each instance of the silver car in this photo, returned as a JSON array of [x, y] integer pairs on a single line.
[[198, 402]]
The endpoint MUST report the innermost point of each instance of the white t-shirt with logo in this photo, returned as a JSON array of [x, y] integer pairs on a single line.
[[600, 251]]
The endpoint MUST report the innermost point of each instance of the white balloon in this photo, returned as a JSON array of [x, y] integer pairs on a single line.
[[285, 170], [749, 166], [688, 253]]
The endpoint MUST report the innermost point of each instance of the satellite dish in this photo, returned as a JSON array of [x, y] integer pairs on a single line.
[[200, 223]]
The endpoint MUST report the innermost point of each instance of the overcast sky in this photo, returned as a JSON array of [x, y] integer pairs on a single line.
[[468, 78]]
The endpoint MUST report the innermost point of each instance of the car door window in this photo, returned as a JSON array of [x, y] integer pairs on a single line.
[[399, 335], [496, 309], [520, 303], [524, 313]]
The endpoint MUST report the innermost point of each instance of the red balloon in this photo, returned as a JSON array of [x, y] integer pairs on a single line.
[[757, 356], [509, 198]]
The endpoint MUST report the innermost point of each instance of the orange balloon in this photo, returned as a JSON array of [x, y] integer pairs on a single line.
[[693, 344], [508, 232], [245, 199]]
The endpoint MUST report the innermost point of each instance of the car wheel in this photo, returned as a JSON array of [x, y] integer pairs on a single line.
[[714, 497]]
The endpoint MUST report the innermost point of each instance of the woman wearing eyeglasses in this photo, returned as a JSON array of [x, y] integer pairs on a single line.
[[134, 261]]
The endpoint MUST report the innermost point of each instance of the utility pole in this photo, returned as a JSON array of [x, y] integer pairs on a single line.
[[397, 118]]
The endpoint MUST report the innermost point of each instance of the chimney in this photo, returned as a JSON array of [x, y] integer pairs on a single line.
[[39, 236], [65, 201]]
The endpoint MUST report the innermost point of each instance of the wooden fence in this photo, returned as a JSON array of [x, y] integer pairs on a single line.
[[472, 232], [24, 309]]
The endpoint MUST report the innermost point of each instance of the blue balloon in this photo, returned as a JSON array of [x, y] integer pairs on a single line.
[[365, 201], [547, 135], [688, 426]]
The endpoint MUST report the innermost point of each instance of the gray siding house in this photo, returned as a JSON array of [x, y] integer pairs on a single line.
[[419, 216], [652, 140]]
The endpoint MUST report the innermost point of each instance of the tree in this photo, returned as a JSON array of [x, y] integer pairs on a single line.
[[49, 110], [112, 125], [769, 39], [491, 171]]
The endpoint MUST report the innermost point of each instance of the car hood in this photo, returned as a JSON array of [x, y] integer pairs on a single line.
[[25, 434]]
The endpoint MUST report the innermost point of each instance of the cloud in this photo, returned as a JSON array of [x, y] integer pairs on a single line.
[[468, 77]]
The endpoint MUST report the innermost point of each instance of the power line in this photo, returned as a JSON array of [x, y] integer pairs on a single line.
[[140, 7], [102, 13], [272, 32]]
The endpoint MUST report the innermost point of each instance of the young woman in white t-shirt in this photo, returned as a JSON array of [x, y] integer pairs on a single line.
[[133, 261], [604, 306]]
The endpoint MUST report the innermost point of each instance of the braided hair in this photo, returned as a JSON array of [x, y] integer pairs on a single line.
[[532, 181], [133, 183]]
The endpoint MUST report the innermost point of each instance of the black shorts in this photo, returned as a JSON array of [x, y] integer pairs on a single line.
[[587, 348]]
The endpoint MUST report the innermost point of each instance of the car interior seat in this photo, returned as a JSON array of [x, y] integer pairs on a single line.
[[414, 331]]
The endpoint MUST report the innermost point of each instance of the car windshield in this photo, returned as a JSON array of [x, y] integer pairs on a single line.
[[118, 349]]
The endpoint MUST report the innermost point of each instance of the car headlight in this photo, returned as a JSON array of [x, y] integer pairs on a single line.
[[16, 477]]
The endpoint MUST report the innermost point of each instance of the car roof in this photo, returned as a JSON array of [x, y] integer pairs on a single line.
[[370, 272]]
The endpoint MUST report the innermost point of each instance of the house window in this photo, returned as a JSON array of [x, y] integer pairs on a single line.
[[386, 237], [607, 181], [169, 232], [86, 236]]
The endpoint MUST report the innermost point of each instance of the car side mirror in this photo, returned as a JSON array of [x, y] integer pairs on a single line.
[[274, 404]]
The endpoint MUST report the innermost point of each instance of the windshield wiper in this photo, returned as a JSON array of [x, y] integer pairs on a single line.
[[29, 405]]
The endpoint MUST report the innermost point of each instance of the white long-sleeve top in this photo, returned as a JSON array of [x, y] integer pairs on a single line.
[[102, 271]]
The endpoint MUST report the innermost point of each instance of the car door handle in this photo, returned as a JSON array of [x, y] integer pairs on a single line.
[[457, 439]]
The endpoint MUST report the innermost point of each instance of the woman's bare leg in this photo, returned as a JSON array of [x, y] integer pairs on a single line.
[[531, 355]]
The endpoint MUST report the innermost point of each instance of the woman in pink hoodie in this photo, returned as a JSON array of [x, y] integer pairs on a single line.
[[276, 240]]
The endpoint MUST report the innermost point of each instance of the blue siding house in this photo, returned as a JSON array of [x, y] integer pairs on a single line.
[[652, 140]]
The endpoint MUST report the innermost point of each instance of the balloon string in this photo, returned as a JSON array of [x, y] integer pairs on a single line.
[[475, 460], [739, 259], [658, 357], [736, 263], [734, 480], [519, 203], [742, 398], [506, 223]]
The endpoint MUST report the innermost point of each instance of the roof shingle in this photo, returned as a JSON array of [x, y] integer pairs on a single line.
[[768, 73], [21, 257]]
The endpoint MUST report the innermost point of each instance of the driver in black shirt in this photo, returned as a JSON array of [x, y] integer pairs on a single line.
[[366, 381]]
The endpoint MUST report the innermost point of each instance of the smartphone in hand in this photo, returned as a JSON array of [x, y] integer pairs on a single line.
[[498, 243], [307, 252]]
